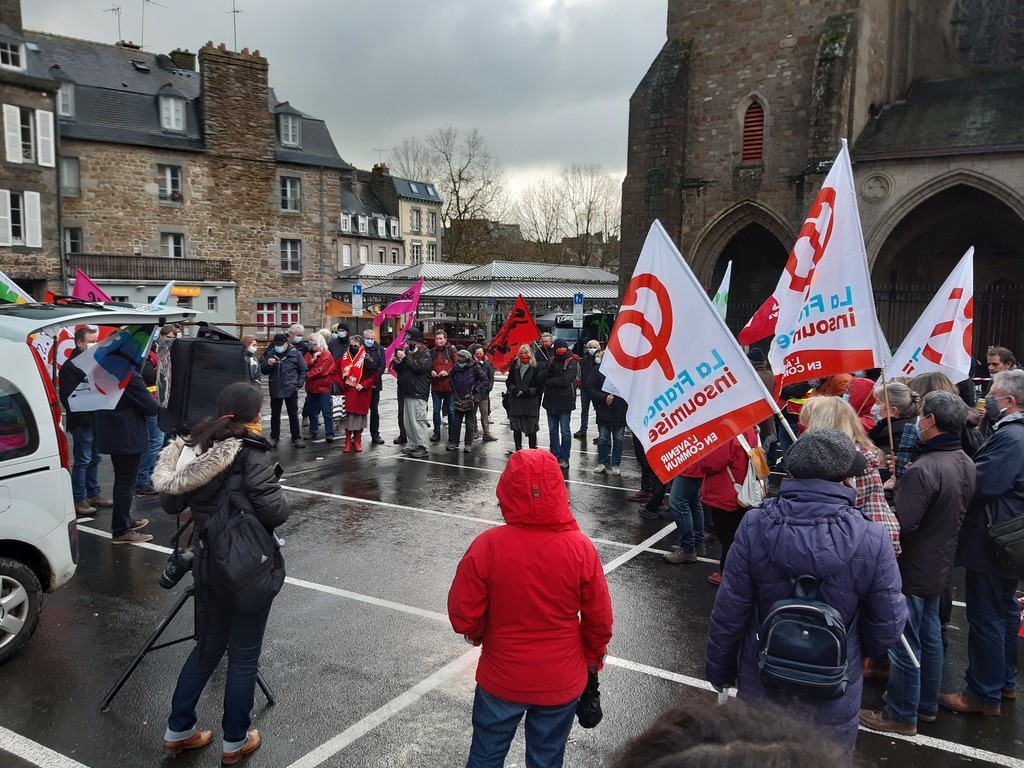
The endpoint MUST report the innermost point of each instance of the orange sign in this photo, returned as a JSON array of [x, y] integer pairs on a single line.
[[187, 291]]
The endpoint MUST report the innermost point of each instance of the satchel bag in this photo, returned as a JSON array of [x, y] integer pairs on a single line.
[[465, 403], [1008, 538], [751, 492]]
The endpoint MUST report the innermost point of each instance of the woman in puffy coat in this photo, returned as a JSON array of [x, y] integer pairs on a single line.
[[811, 529], [356, 380], [469, 380], [721, 469], [533, 593], [523, 388], [194, 472], [318, 386]]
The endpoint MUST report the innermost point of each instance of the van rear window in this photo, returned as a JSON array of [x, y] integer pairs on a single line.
[[18, 433]]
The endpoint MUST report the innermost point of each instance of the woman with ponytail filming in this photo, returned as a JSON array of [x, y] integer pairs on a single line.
[[223, 466]]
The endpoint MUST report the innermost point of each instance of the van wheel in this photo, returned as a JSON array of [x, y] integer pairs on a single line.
[[21, 599]]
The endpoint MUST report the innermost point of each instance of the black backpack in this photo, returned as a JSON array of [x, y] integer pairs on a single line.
[[802, 649], [239, 559]]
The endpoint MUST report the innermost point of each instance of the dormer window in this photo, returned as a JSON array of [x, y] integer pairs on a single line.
[[363, 226], [291, 130], [172, 113], [10, 56], [414, 188], [381, 231], [430, 191], [66, 100], [394, 228], [346, 222]]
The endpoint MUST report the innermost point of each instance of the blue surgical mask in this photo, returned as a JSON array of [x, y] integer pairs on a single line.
[[297, 339], [279, 350], [368, 342], [342, 335], [334, 335], [591, 351], [461, 365]]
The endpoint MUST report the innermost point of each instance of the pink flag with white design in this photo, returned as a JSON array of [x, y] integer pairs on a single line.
[[86, 289], [404, 305]]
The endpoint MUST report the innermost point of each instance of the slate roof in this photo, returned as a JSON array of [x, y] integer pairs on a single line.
[[964, 115], [525, 270], [502, 289], [359, 199], [317, 145], [404, 188]]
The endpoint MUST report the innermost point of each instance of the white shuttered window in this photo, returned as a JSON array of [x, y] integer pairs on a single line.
[[12, 133], [44, 132], [5, 217], [33, 220]]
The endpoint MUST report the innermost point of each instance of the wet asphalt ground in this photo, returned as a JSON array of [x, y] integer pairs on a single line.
[[366, 669]]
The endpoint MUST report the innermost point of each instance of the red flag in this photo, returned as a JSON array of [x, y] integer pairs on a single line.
[[519, 329], [762, 324]]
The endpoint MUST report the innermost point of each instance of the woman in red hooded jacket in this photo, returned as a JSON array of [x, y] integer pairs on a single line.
[[533, 593], [721, 468]]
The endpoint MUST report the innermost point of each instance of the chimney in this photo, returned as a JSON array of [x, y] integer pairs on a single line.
[[236, 119], [183, 59], [10, 14], [379, 169]]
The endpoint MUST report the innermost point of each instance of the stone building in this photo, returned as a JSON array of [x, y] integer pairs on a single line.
[[28, 166], [369, 233], [418, 207], [736, 123]]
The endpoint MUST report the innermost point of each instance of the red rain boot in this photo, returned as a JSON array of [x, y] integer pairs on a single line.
[[348, 442], [357, 437]]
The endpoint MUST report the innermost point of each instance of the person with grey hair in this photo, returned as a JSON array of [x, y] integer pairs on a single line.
[[931, 501], [895, 408], [993, 613]]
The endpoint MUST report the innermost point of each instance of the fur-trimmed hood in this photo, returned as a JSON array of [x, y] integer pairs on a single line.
[[181, 470]]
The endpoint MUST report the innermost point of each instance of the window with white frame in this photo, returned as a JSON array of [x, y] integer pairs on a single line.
[[291, 255], [416, 250], [66, 100], [20, 220], [416, 220], [394, 255], [364, 254], [432, 223], [291, 193], [414, 188], [272, 314], [382, 256], [381, 228], [70, 182], [10, 55], [364, 227], [346, 255], [394, 227], [291, 130], [430, 191], [28, 136], [72, 240], [346, 222], [169, 182], [172, 245], [431, 252], [211, 303], [172, 113]]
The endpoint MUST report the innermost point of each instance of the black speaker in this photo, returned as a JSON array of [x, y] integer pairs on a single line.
[[198, 369]]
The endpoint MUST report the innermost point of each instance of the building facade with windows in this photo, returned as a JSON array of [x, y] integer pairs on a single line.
[[28, 164], [368, 232], [738, 120], [417, 205]]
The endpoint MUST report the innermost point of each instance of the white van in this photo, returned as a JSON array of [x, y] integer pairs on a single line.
[[38, 535]]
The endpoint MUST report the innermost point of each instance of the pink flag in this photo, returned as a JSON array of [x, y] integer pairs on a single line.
[[86, 289], [404, 305]]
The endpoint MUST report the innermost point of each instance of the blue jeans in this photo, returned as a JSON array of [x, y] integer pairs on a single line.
[[613, 435], [913, 690], [320, 404], [685, 507], [447, 401], [494, 725], [585, 413], [242, 636], [85, 476], [993, 618], [561, 436], [149, 458]]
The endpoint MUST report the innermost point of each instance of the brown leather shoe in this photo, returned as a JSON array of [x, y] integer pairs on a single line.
[[197, 740], [965, 705], [252, 743], [1008, 693]]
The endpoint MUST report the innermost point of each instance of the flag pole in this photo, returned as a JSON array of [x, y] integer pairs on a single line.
[[888, 416]]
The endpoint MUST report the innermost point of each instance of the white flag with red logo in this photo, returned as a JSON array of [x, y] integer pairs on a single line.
[[826, 319], [941, 340], [689, 386]]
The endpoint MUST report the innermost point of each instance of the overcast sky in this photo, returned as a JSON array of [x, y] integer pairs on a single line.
[[547, 82]]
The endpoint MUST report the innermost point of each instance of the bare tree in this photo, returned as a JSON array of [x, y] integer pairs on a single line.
[[593, 201], [541, 210], [412, 159]]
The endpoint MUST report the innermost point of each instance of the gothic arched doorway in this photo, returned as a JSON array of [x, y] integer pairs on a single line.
[[758, 259], [924, 247]]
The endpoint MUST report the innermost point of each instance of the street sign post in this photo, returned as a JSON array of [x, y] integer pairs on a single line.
[[357, 300], [577, 310]]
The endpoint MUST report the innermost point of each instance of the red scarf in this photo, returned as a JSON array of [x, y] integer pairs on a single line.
[[351, 369]]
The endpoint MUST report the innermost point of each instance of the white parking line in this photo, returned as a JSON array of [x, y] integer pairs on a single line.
[[499, 471], [37, 754]]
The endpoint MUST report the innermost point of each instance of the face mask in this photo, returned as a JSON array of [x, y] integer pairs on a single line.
[[439, 343], [368, 342], [479, 355], [524, 358], [545, 344], [296, 340], [460, 365], [90, 344], [353, 348], [342, 335], [561, 352], [992, 410], [876, 412], [411, 348], [253, 349], [591, 351], [334, 335], [279, 350]]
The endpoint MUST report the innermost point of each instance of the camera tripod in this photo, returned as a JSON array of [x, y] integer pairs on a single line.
[[151, 645]]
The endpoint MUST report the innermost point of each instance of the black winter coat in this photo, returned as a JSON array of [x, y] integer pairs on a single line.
[[488, 369], [587, 363], [374, 363], [70, 378], [288, 375], [559, 379], [931, 499], [414, 374], [123, 430], [613, 415], [523, 391], [469, 379], [999, 491]]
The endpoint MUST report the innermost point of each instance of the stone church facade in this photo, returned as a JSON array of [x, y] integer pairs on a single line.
[[736, 123]]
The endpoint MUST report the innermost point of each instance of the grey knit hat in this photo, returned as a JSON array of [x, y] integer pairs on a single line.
[[825, 454]]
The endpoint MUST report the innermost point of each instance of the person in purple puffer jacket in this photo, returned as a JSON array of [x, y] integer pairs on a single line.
[[811, 529]]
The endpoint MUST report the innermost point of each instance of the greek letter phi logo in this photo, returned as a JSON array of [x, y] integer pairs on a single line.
[[658, 340]]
